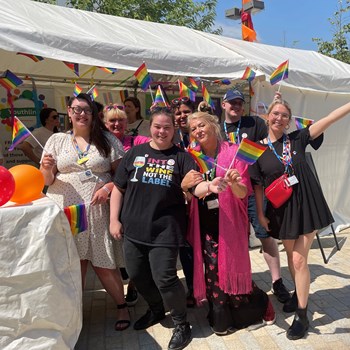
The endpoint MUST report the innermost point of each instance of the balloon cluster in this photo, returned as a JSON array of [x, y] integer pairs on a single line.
[[20, 184]]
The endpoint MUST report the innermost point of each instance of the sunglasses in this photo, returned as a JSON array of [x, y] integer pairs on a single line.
[[114, 106], [178, 101]]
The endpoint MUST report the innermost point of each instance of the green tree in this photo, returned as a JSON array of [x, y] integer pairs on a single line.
[[198, 15], [338, 48]]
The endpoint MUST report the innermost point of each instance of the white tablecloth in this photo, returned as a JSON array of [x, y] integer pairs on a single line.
[[40, 281]]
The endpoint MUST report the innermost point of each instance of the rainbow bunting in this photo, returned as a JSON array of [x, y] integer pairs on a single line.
[[302, 123], [194, 85], [77, 90], [35, 58], [248, 74], [10, 80], [109, 70], [232, 137], [222, 81], [206, 96], [143, 77], [158, 99], [73, 66], [280, 73], [204, 162], [123, 95], [19, 133], [76, 215], [249, 151], [185, 91]]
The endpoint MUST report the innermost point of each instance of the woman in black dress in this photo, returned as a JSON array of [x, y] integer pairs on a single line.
[[306, 211]]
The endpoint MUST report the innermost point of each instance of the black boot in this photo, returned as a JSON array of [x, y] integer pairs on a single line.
[[292, 304], [299, 326]]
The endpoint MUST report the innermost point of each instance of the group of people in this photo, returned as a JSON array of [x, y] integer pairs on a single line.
[[148, 203]]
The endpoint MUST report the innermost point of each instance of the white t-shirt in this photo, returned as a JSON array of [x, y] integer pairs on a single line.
[[42, 134]]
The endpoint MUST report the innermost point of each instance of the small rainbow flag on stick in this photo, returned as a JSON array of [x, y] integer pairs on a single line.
[[280, 73], [248, 74], [194, 85], [73, 66], [204, 162], [302, 123], [143, 77], [206, 96], [186, 92], [35, 58], [10, 80], [159, 99], [249, 151], [77, 90], [19, 133], [76, 215]]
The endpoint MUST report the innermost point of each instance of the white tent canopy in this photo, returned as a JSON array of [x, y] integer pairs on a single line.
[[316, 84]]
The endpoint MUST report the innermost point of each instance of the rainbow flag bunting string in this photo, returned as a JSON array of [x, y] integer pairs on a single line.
[[185, 91], [204, 162], [109, 70], [143, 77], [249, 151], [302, 123], [73, 66], [206, 96], [19, 133], [77, 90], [35, 58], [248, 74], [77, 218], [280, 73], [222, 81], [10, 80]]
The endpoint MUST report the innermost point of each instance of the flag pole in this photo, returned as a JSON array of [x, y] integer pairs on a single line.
[[161, 92], [150, 89]]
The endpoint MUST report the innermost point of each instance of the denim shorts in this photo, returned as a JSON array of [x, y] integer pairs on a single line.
[[260, 232]]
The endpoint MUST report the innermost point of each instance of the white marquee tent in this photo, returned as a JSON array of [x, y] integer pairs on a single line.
[[316, 84]]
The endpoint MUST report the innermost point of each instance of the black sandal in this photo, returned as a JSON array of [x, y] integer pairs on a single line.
[[119, 322]]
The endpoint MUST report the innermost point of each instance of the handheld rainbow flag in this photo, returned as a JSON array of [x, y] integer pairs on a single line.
[[249, 151], [19, 133], [109, 70], [73, 66], [280, 73], [77, 90], [194, 85], [158, 99], [77, 218], [204, 162], [10, 80], [302, 123], [143, 77], [232, 137], [35, 58], [186, 92], [248, 74], [206, 96]]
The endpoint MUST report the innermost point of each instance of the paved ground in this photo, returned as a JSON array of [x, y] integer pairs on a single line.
[[329, 310]]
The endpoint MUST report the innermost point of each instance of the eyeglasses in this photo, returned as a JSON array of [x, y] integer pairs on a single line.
[[283, 115], [78, 110], [178, 101], [114, 106]]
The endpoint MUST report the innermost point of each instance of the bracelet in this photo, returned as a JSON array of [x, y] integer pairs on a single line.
[[106, 189]]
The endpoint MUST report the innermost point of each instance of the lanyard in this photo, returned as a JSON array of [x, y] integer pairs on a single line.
[[286, 158], [236, 133], [81, 154]]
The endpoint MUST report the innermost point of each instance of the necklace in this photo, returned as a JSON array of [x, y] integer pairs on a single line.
[[82, 155], [233, 137]]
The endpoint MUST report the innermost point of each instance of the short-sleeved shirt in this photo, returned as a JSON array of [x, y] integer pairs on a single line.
[[153, 211]]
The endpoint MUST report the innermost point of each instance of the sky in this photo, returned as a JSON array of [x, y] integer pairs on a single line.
[[289, 23]]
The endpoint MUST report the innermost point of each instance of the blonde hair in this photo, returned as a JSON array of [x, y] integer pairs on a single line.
[[112, 111], [208, 118], [278, 101]]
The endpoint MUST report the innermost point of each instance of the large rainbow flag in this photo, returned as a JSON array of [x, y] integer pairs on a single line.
[[204, 162], [248, 74], [249, 151], [185, 91], [280, 73], [19, 133], [10, 80], [206, 96], [302, 123], [143, 77], [77, 218]]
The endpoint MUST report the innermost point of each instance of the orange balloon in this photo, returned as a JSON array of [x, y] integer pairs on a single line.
[[29, 182]]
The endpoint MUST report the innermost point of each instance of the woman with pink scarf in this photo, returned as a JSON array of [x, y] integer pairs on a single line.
[[218, 232]]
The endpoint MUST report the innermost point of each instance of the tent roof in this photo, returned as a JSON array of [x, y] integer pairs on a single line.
[[92, 39]]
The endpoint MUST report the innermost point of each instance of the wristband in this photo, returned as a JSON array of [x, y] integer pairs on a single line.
[[106, 189]]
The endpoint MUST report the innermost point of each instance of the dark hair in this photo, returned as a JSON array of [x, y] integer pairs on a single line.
[[162, 111], [136, 102], [99, 106], [45, 114], [188, 103], [97, 135]]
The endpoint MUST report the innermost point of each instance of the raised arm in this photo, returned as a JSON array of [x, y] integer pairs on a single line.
[[320, 126]]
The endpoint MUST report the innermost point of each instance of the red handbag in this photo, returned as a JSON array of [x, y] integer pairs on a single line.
[[279, 191]]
